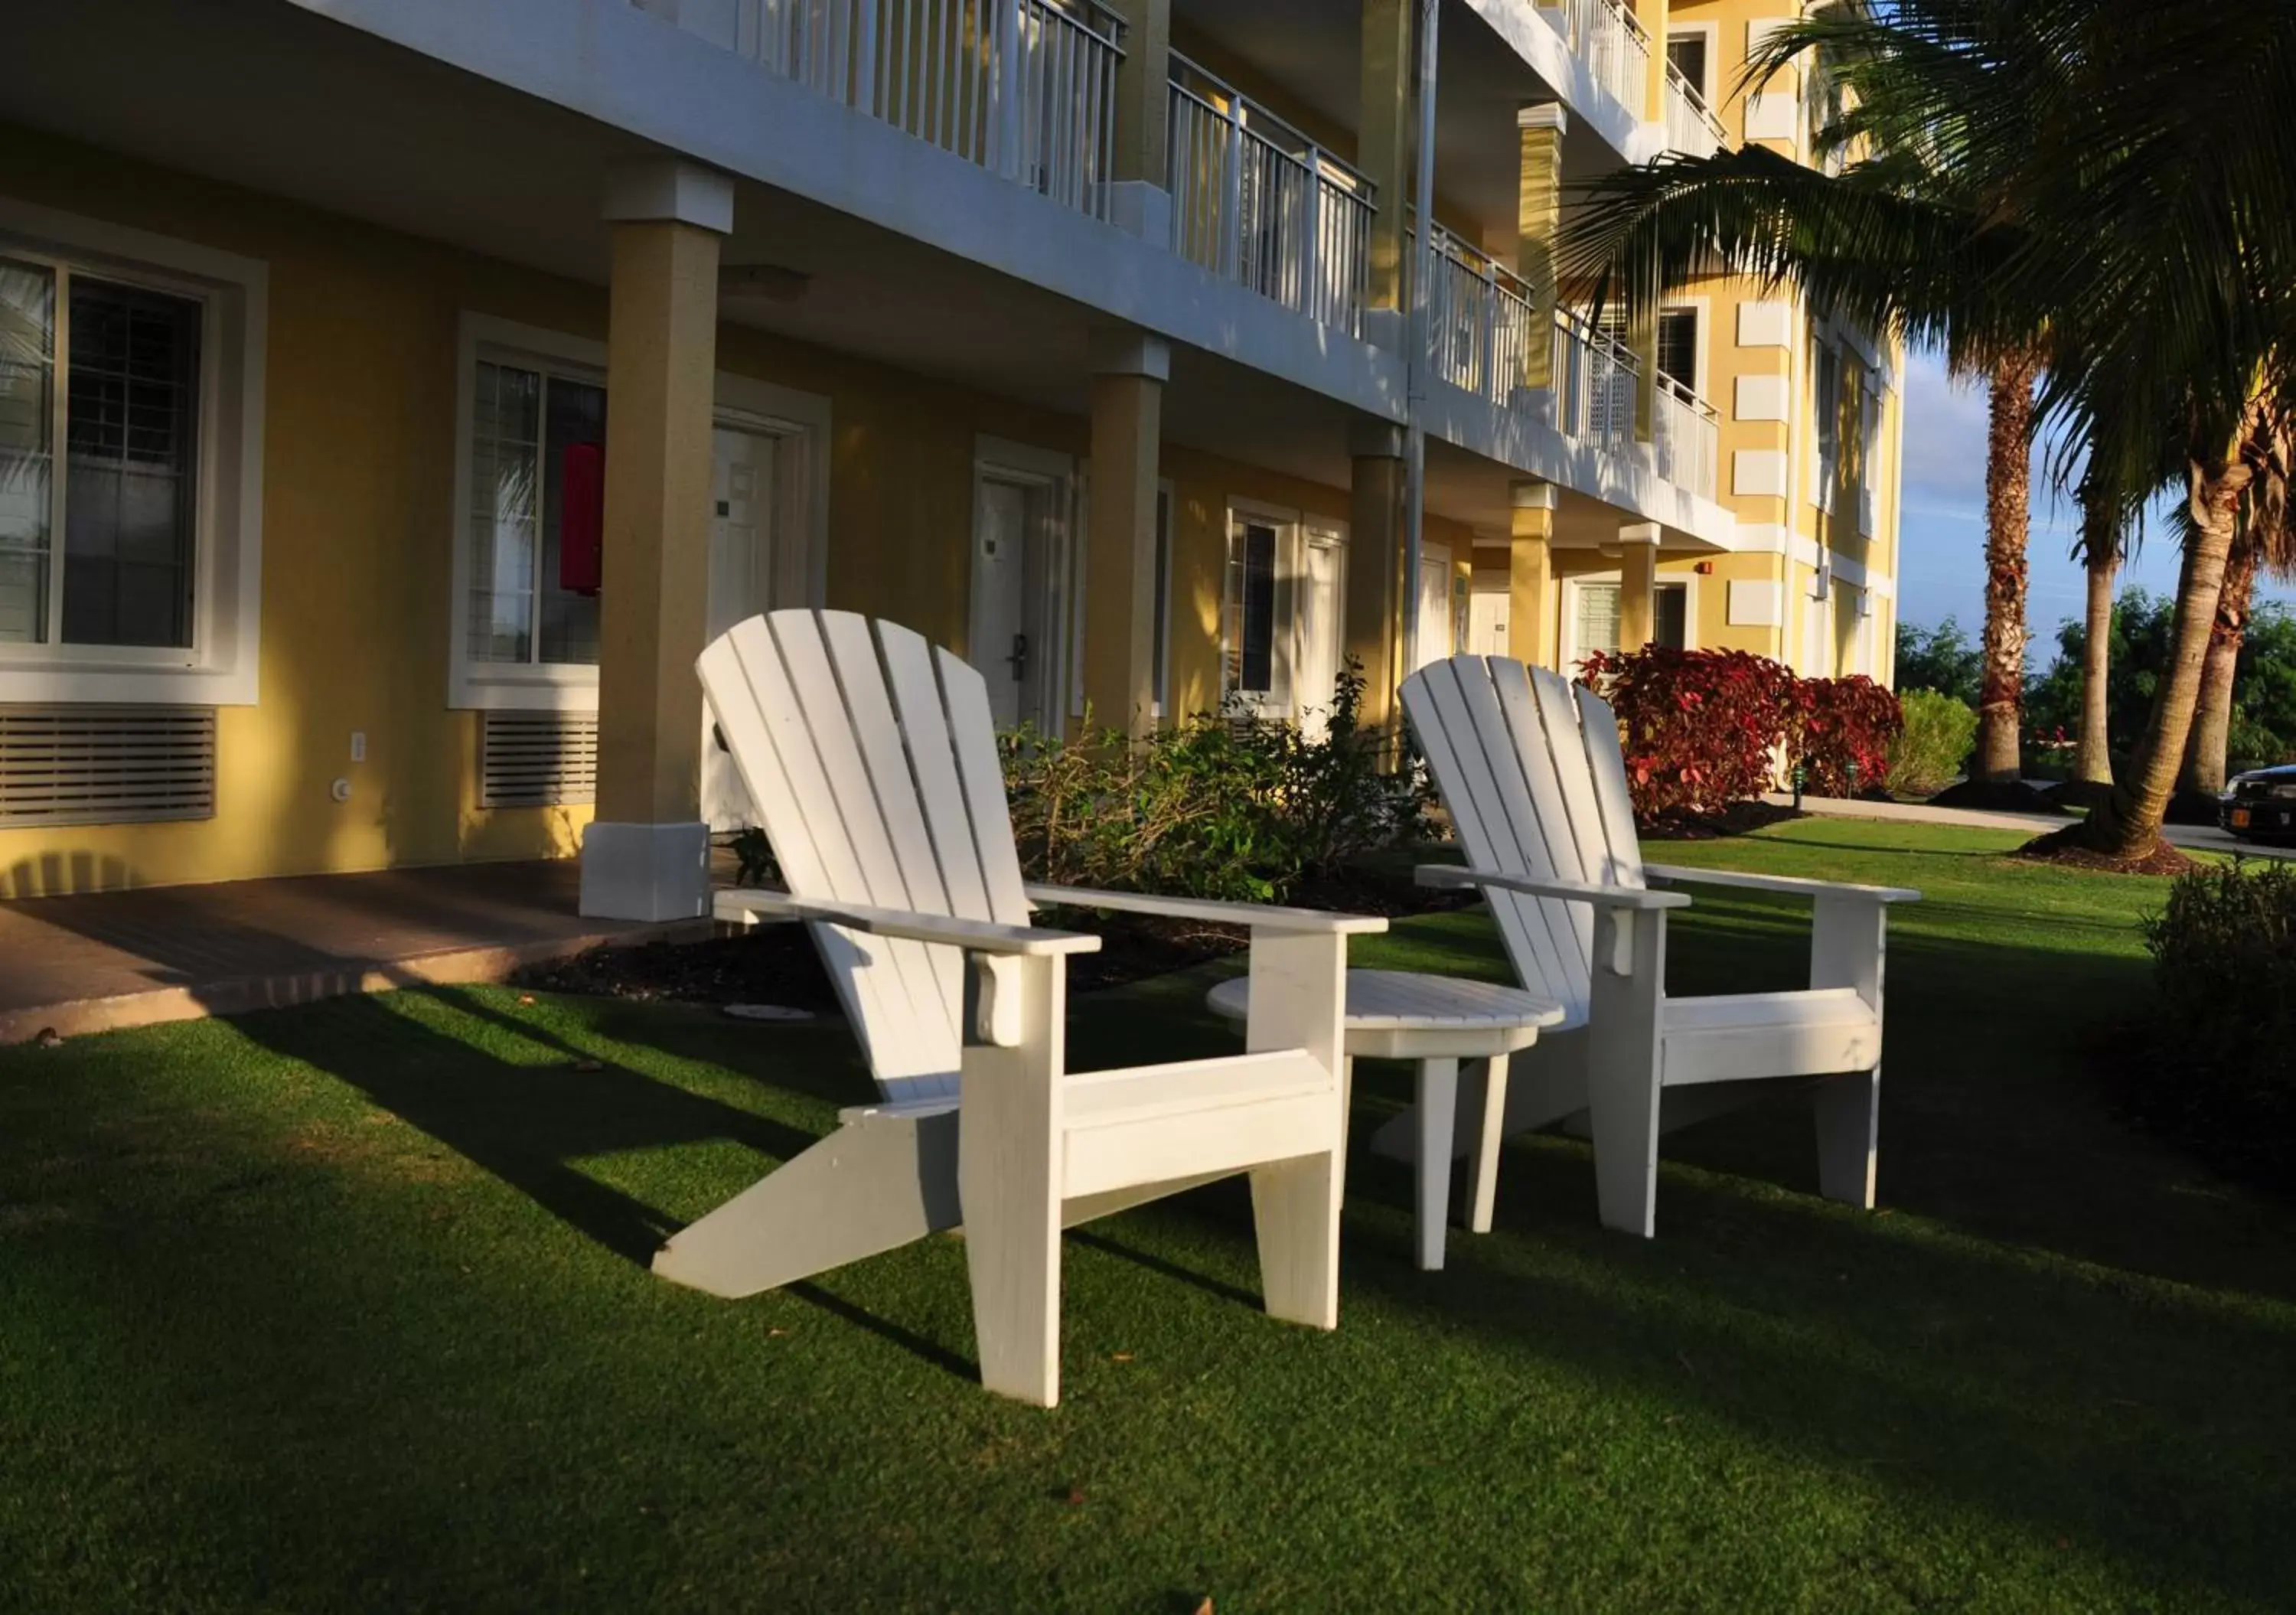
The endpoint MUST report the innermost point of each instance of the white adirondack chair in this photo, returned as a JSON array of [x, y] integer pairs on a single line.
[[1532, 774], [873, 759]]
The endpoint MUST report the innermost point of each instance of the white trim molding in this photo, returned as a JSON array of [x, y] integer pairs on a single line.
[[221, 666]]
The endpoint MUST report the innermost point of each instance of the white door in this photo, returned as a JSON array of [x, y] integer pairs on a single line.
[[1008, 640], [1486, 621], [1321, 601], [743, 564], [1434, 604]]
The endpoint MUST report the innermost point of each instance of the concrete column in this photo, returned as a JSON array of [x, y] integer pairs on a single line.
[[1637, 585], [1384, 139], [647, 855], [1119, 620], [1530, 573], [1538, 220], [1139, 202], [1653, 15], [1375, 581]]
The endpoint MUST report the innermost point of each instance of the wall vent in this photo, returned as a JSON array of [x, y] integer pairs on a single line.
[[93, 764], [537, 760]]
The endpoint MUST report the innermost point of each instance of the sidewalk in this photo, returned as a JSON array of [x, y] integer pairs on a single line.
[[2192, 838]]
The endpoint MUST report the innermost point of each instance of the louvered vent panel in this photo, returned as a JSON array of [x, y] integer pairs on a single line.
[[72, 764], [537, 760]]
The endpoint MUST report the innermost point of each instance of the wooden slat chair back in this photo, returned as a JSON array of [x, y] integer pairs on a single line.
[[872, 759], [1532, 772]]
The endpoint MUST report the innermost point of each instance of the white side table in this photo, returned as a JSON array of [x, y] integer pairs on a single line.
[[1436, 1021]]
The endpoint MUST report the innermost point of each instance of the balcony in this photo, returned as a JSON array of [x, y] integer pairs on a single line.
[[1596, 376], [1256, 202], [1685, 437], [1479, 318], [1025, 88], [1613, 44], [1692, 128]]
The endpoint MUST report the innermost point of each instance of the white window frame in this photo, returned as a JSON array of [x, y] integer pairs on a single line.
[[1824, 470], [220, 666], [1713, 35], [800, 418], [1294, 531], [1573, 653]]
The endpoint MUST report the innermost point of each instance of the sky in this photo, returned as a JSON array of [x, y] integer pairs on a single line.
[[1942, 566]]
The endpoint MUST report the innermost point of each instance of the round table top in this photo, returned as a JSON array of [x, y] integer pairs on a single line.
[[1397, 1000]]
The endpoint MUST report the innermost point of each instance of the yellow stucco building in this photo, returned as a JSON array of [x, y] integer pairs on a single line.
[[395, 394]]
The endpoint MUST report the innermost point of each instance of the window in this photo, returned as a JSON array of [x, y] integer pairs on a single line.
[[103, 554], [525, 421], [1687, 52], [1827, 399], [1677, 345], [1596, 613], [1250, 609], [1163, 621]]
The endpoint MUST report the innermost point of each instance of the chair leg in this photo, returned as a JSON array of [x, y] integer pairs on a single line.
[[1622, 1105], [1439, 1110], [1483, 1178], [1008, 1180], [1295, 1213], [1849, 1114]]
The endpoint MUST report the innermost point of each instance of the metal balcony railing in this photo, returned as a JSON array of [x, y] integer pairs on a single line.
[[1685, 437], [1692, 128], [1025, 89], [1257, 201], [1615, 47], [1595, 375], [1479, 320]]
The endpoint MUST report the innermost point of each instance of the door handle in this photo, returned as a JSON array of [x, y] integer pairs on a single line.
[[1018, 659]]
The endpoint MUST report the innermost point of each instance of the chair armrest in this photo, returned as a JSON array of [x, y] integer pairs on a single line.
[[1788, 885], [1259, 916], [973, 936], [1634, 897]]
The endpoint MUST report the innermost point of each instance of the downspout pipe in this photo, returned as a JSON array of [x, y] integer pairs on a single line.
[[1417, 360]]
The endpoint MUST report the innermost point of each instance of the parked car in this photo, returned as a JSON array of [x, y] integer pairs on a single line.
[[2260, 804]]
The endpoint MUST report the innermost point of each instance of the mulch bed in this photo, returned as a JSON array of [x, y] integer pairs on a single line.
[[777, 964], [1740, 818], [2059, 848], [2014, 797]]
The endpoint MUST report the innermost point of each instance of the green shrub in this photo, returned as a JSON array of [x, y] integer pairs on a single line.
[[1935, 742], [2224, 955], [1227, 805]]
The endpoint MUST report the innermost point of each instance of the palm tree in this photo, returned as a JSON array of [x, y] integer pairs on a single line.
[[2101, 527], [2008, 526], [2087, 178], [2207, 752]]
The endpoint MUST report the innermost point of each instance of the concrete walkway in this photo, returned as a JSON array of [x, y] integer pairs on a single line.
[[90, 963], [2192, 838]]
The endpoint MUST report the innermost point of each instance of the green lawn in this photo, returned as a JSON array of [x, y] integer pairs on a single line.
[[343, 1308]]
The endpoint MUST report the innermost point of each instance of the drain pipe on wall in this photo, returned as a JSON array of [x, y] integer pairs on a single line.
[[1417, 361]]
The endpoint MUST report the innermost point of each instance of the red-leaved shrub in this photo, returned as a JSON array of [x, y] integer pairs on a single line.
[[1841, 734], [1704, 729], [1701, 728]]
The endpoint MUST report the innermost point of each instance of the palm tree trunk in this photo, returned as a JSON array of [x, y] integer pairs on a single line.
[[2008, 518], [2126, 825], [2099, 524], [2205, 758]]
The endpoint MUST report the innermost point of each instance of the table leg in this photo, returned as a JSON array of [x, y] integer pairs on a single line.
[[1482, 1185], [1439, 1107]]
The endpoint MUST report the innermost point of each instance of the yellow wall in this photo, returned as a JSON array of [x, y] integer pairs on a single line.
[[358, 528]]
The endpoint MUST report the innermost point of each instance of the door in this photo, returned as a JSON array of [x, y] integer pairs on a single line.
[[743, 564], [1322, 603], [1487, 620], [1434, 604], [1009, 640]]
